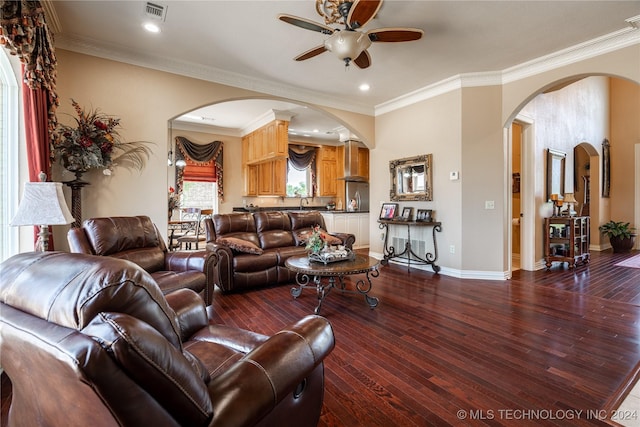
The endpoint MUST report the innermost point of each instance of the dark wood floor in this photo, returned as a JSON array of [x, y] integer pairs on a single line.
[[533, 350]]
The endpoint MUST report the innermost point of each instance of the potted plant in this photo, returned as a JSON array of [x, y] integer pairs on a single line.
[[621, 235]]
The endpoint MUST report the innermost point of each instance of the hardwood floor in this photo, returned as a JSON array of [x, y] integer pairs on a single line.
[[559, 347]]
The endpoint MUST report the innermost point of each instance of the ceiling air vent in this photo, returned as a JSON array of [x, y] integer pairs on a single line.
[[155, 11]]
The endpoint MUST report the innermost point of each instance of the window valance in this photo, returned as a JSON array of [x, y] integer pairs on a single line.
[[203, 163]]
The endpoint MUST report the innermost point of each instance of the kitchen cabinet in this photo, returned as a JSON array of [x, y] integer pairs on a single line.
[[272, 178], [566, 239], [355, 223], [363, 162], [267, 143], [327, 171]]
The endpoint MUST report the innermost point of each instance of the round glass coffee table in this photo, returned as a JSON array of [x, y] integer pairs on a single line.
[[325, 277]]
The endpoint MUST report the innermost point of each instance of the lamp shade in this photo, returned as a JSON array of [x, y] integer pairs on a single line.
[[569, 198], [42, 203]]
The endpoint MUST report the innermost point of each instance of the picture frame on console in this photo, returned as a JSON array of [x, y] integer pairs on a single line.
[[389, 211], [424, 215], [407, 214]]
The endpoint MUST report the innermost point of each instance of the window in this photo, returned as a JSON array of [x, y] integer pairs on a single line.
[[298, 182], [9, 188], [197, 194]]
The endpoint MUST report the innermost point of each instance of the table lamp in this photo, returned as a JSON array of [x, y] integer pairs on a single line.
[[570, 200], [42, 204]]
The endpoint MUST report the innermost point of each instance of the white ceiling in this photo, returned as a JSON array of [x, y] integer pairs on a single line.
[[242, 43]]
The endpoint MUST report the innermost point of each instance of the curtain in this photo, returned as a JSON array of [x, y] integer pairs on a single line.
[[304, 158], [24, 32], [203, 163]]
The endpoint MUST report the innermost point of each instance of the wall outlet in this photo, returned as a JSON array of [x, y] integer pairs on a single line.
[[452, 249], [489, 204], [382, 236]]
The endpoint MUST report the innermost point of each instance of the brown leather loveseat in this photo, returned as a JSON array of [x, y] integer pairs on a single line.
[[92, 341], [252, 248], [136, 238]]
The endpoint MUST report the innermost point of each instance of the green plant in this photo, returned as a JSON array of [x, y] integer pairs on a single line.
[[617, 229]]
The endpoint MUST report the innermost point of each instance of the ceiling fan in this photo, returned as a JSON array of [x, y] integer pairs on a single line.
[[349, 44]]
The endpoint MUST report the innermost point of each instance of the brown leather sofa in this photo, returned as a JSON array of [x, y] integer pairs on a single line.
[[260, 244], [137, 239], [92, 341]]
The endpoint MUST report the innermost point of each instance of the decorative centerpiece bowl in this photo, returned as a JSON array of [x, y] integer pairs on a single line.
[[332, 254]]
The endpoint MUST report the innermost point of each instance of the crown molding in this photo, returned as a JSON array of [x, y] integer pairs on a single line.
[[608, 43], [118, 53], [51, 16], [589, 49], [204, 128]]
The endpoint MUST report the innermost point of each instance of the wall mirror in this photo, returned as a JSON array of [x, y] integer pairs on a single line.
[[411, 178], [555, 172]]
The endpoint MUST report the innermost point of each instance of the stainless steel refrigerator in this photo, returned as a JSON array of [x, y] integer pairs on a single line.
[[358, 191]]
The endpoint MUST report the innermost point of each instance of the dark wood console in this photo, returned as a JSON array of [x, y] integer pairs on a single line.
[[408, 255]]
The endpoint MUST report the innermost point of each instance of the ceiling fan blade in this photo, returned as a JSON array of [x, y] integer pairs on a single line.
[[363, 60], [311, 53], [305, 23], [361, 12], [395, 34]]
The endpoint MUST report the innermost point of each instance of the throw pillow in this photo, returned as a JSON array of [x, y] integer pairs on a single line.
[[240, 245]]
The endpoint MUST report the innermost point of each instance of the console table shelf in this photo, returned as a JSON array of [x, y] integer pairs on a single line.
[[566, 240], [407, 255]]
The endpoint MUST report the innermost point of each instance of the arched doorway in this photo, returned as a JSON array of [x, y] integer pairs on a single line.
[[580, 139]]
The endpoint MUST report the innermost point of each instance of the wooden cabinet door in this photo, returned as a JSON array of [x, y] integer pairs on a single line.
[[327, 178], [265, 173], [251, 181], [279, 177], [363, 162]]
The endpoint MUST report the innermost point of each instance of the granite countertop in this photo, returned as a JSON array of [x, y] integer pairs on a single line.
[[294, 208]]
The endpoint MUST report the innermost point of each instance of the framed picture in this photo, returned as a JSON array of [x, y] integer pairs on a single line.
[[389, 211], [407, 214], [425, 215]]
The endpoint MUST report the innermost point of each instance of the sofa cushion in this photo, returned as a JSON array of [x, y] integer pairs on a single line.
[[156, 365], [306, 219], [238, 225], [251, 263], [240, 245], [274, 229]]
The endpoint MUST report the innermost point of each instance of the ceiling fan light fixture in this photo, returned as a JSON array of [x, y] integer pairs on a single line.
[[347, 45]]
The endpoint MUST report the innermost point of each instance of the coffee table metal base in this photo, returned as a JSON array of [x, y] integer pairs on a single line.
[[325, 278], [323, 288]]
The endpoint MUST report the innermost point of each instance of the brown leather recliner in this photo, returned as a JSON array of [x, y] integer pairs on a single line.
[[137, 239], [90, 340]]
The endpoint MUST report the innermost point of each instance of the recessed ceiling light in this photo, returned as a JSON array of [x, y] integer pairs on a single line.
[[151, 27], [364, 87], [316, 131]]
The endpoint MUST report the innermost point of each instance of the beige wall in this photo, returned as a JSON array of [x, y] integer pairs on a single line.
[[463, 129], [625, 133], [145, 100]]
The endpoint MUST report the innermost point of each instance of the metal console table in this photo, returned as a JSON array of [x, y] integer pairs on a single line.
[[407, 255]]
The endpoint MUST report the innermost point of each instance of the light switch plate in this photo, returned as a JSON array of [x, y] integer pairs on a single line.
[[454, 175]]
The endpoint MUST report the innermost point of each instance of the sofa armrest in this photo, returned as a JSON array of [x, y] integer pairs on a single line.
[[270, 372], [190, 310], [78, 242], [348, 239], [224, 266], [203, 261]]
